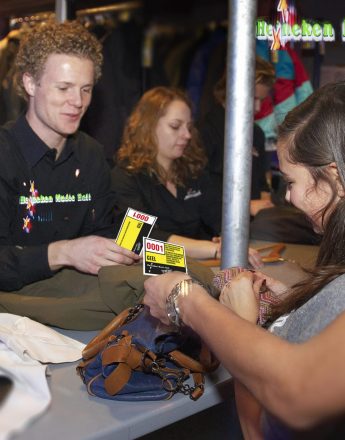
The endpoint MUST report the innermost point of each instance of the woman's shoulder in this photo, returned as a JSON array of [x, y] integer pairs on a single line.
[[329, 302], [334, 289], [121, 176], [120, 172], [313, 316]]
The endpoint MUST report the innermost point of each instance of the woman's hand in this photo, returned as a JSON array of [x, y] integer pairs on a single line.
[[241, 295], [218, 247], [275, 286], [157, 290], [258, 205]]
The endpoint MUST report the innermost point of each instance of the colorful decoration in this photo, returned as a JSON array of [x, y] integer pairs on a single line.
[[27, 224], [30, 208]]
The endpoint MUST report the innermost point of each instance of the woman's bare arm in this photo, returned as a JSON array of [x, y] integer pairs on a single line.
[[302, 384]]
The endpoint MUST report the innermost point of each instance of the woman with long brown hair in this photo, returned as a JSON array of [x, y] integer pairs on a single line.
[[289, 384], [161, 171]]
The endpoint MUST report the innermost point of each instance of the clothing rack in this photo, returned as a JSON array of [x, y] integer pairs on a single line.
[[61, 9], [61, 12], [31, 19], [105, 14], [126, 6]]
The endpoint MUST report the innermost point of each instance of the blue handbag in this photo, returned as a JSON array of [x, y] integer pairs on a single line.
[[136, 358]]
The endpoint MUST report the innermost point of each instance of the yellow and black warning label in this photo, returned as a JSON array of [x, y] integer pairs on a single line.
[[135, 226], [161, 257]]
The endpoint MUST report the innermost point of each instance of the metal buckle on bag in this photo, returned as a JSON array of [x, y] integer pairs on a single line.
[[133, 312], [156, 367], [154, 363], [169, 378], [180, 386], [179, 377]]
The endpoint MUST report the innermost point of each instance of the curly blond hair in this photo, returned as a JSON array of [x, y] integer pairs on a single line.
[[70, 38], [139, 147]]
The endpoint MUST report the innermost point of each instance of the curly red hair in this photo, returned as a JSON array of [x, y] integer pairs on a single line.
[[139, 147]]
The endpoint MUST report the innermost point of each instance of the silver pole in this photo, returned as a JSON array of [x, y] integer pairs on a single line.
[[238, 133], [61, 10]]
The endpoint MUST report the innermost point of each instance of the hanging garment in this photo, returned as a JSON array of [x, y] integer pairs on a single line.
[[118, 89], [292, 87]]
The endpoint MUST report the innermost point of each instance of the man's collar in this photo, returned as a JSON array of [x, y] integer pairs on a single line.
[[32, 147]]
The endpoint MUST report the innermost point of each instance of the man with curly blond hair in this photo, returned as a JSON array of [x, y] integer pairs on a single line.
[[55, 199]]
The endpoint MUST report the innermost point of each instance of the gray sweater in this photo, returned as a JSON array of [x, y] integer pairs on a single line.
[[299, 326]]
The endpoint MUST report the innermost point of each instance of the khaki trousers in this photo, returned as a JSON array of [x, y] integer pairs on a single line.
[[77, 301]]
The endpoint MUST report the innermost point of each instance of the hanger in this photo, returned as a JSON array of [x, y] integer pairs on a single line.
[[273, 256]]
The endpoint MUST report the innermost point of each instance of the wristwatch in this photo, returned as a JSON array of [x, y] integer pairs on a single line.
[[180, 289]]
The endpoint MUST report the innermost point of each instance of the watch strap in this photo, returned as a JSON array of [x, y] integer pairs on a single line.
[[182, 288]]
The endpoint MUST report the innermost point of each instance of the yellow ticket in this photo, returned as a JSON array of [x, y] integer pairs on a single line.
[[161, 257], [135, 226]]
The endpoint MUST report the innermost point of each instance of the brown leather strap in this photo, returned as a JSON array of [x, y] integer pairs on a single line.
[[128, 358], [117, 379], [199, 382], [206, 364], [98, 342], [123, 352], [185, 361], [118, 354]]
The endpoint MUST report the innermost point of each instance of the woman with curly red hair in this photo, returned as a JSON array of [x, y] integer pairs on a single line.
[[161, 170]]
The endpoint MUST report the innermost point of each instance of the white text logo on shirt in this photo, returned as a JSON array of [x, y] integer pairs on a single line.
[[35, 198], [191, 193]]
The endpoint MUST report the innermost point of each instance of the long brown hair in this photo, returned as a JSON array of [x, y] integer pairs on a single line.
[[314, 135], [264, 74], [138, 150]]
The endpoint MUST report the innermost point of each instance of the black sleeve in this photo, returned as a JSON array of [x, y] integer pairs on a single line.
[[17, 268], [211, 204], [259, 144], [129, 194]]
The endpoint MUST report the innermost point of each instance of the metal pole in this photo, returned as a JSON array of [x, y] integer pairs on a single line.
[[61, 10], [238, 132]]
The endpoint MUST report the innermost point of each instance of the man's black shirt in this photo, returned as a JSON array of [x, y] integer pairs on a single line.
[[44, 199]]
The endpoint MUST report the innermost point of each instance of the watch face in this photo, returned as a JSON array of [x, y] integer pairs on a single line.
[[172, 315], [171, 309], [171, 301]]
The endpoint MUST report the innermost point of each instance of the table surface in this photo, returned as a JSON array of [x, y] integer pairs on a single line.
[[298, 257], [74, 415]]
